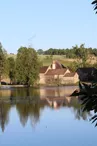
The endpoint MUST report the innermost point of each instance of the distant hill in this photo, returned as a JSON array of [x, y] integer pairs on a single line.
[[69, 62]]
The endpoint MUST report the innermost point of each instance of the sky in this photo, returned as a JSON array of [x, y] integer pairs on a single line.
[[45, 24]]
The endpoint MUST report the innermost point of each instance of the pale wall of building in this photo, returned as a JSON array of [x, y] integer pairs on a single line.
[[70, 80]]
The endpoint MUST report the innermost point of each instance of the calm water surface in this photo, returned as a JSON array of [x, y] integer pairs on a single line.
[[44, 117]]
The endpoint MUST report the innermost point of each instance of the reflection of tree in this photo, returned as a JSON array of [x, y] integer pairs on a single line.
[[24, 93], [79, 114], [69, 102], [23, 110], [4, 114], [87, 95], [30, 110], [29, 105]]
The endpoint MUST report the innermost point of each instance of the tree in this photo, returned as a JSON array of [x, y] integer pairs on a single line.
[[81, 53], [27, 66], [2, 61], [11, 69], [40, 51], [95, 5]]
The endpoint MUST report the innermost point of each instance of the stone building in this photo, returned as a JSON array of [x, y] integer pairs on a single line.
[[57, 73]]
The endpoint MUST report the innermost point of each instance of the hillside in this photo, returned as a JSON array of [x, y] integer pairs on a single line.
[[47, 60]]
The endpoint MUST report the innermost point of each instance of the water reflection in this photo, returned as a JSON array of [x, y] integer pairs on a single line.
[[30, 103], [4, 114]]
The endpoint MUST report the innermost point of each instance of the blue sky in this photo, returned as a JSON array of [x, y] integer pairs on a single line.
[[47, 23]]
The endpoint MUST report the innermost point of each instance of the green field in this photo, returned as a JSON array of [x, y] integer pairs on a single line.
[[47, 59]]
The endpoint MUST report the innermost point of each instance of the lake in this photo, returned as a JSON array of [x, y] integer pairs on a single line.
[[44, 116]]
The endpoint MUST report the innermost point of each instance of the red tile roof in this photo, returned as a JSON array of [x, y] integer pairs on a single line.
[[56, 71], [70, 74], [43, 69]]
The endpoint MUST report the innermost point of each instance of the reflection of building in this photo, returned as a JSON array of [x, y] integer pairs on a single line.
[[57, 91], [57, 96], [58, 74], [57, 102]]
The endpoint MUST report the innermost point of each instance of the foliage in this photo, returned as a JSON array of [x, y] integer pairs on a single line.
[[87, 95], [2, 60], [11, 69], [40, 51], [27, 66], [74, 66], [76, 51], [82, 54], [95, 5]]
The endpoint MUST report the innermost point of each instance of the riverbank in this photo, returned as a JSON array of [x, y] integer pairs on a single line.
[[35, 86], [12, 86]]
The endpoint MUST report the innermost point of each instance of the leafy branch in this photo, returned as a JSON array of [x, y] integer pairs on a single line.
[[87, 94], [95, 5]]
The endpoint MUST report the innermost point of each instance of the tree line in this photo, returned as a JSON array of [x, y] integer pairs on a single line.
[[23, 69], [74, 52]]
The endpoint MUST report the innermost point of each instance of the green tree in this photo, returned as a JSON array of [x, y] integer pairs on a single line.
[[27, 66], [2, 61], [40, 51], [82, 53], [11, 69]]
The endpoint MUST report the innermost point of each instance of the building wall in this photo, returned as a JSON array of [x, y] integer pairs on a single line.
[[70, 80], [61, 76], [57, 79], [42, 79]]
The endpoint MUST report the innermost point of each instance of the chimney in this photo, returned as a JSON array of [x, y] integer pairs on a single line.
[[54, 65]]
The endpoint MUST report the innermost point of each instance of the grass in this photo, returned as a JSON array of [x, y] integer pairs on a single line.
[[47, 59]]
